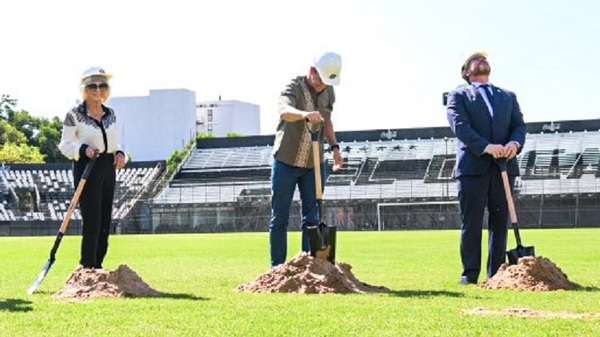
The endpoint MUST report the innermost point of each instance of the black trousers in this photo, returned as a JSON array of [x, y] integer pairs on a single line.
[[96, 204], [475, 194]]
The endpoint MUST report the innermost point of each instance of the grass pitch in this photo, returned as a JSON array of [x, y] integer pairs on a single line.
[[199, 273]]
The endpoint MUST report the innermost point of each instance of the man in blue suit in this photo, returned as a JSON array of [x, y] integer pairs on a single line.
[[489, 125]]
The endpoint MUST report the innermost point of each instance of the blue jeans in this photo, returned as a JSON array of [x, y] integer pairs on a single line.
[[284, 179]]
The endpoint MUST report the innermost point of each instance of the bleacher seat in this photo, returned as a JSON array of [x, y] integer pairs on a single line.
[[415, 168], [55, 188]]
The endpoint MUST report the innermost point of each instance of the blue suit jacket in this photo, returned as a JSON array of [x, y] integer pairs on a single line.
[[475, 128]]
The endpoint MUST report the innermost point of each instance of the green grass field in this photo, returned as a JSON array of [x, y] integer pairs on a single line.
[[199, 273]]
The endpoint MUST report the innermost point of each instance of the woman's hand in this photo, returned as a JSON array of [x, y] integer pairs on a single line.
[[91, 152]]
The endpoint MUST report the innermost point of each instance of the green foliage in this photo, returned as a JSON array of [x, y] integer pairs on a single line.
[[10, 134], [205, 135], [20, 128], [199, 272], [178, 156], [27, 124], [234, 135], [7, 107], [23, 153], [48, 139], [173, 161]]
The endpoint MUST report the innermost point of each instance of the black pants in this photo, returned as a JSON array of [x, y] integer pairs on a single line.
[[475, 194], [95, 203]]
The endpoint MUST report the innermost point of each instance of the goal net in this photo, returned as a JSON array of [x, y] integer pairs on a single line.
[[418, 215]]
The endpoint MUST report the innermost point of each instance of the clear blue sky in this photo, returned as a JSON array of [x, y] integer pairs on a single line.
[[398, 56]]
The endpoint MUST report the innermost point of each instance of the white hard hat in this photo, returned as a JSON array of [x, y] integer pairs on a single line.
[[329, 67], [95, 71]]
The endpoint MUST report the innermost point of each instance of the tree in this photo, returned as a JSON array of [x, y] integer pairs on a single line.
[[10, 134], [234, 135], [27, 124], [23, 153], [48, 139], [7, 107], [32, 138]]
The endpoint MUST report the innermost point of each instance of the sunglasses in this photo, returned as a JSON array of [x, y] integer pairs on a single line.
[[96, 86]]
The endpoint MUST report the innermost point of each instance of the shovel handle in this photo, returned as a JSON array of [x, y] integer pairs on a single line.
[[509, 199], [314, 129], [317, 168]]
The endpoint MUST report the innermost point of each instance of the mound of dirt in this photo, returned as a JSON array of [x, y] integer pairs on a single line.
[[305, 274], [91, 283], [530, 274]]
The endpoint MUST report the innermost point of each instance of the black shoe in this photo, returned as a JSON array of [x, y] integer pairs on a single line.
[[465, 281]]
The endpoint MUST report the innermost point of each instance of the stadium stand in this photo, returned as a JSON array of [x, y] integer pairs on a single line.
[[385, 169], [223, 180], [224, 184], [45, 191]]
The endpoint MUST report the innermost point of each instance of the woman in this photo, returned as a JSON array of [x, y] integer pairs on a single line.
[[90, 129]]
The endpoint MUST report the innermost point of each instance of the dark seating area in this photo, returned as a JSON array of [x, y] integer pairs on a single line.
[[400, 169], [241, 174], [45, 191], [441, 168]]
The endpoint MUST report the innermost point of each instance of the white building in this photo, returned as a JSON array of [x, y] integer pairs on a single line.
[[153, 127], [222, 117]]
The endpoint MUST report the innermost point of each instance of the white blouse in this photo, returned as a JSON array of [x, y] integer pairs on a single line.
[[80, 129]]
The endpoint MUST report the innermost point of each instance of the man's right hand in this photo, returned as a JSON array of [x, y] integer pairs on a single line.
[[495, 150], [313, 117]]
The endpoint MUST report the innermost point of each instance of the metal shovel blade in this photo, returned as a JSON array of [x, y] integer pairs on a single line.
[[321, 239], [40, 277], [514, 255]]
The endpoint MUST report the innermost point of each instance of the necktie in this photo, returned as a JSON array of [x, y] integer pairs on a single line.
[[488, 94], [490, 98]]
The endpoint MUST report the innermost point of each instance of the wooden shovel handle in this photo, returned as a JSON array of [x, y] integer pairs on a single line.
[[509, 199]]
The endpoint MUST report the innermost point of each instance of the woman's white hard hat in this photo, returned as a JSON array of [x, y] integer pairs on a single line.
[[95, 71]]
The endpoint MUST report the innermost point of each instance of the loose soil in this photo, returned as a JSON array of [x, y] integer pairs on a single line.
[[305, 274], [528, 313], [530, 274], [86, 284]]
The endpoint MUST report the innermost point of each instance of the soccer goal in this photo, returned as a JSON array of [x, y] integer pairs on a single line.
[[418, 215]]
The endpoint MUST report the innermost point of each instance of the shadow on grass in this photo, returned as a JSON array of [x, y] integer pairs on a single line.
[[425, 293], [15, 305], [587, 289], [181, 297], [174, 296]]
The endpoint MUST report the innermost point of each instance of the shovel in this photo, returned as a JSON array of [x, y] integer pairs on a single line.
[[63, 226], [520, 251], [321, 237]]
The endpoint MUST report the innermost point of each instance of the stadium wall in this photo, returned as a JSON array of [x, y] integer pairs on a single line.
[[571, 211]]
